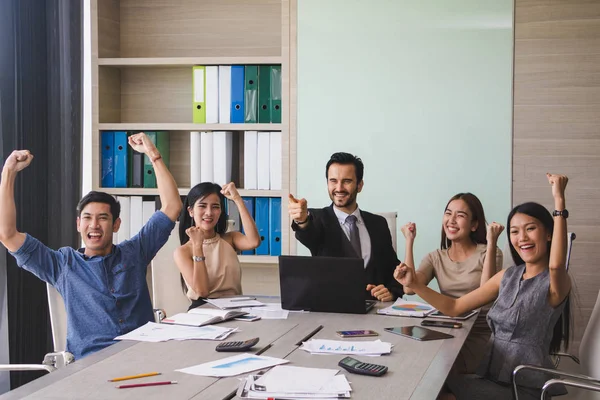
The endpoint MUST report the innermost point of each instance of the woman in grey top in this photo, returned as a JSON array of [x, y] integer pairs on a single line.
[[530, 315]]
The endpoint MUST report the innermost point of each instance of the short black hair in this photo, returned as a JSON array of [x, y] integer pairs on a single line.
[[100, 197], [346, 158]]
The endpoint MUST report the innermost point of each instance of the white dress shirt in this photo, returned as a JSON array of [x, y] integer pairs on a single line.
[[365, 239]]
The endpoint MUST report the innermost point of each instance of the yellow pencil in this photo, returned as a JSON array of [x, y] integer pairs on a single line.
[[124, 378]]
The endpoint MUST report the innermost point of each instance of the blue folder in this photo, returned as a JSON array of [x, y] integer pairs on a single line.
[[275, 226], [249, 203], [121, 164], [261, 216], [107, 141], [237, 94]]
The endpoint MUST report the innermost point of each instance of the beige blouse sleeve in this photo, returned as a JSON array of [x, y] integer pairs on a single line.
[[426, 267]]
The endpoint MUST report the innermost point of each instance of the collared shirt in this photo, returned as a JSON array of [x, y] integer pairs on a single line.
[[365, 239], [105, 296]]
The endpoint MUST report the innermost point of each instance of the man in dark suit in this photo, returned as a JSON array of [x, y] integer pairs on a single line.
[[343, 230]]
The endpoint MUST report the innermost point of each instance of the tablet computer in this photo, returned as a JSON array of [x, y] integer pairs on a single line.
[[462, 317], [418, 333]]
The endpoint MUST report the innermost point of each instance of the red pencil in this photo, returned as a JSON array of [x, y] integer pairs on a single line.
[[134, 385]]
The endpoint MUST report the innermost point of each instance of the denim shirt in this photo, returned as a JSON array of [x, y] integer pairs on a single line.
[[105, 296]]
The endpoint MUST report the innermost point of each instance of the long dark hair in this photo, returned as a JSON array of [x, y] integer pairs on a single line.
[[562, 329], [199, 192], [476, 208]]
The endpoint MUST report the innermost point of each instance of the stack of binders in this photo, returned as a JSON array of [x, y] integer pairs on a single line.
[[236, 94], [123, 167]]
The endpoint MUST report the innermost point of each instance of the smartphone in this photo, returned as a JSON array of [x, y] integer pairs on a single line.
[[442, 324], [362, 333]]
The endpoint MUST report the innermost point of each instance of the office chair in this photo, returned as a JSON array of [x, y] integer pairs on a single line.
[[589, 351], [167, 293], [58, 322], [391, 218]]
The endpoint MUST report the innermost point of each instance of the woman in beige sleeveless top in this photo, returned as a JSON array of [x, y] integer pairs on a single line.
[[207, 257], [468, 257]]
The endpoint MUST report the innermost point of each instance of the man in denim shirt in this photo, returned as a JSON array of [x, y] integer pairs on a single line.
[[103, 286]]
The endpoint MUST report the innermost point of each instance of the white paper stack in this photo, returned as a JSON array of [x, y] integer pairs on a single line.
[[269, 311], [296, 383], [364, 348], [153, 332], [226, 303]]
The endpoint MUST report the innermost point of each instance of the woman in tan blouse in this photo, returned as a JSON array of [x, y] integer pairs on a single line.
[[468, 257], [207, 257]]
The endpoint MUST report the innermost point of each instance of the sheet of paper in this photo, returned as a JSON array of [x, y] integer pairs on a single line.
[[269, 311], [376, 347], [405, 308], [337, 387], [234, 365], [153, 332], [235, 302], [290, 379]]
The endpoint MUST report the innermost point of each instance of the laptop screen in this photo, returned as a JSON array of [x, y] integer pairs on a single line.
[[322, 284]]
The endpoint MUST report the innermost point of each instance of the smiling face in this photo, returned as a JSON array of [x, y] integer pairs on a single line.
[[95, 224], [529, 238], [458, 221], [206, 212], [342, 186]]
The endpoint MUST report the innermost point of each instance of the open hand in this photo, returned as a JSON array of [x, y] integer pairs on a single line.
[[230, 191], [18, 160], [380, 292], [298, 209], [409, 230]]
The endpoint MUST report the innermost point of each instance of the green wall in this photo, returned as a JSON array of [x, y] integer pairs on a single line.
[[421, 91]]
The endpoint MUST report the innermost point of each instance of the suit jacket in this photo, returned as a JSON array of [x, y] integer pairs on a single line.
[[324, 237]]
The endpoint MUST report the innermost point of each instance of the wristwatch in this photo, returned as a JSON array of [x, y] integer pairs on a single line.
[[563, 213], [305, 221], [198, 258]]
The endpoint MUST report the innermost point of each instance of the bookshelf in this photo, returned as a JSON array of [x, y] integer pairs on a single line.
[[142, 57]]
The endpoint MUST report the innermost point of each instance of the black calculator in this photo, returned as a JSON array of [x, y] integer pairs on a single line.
[[237, 346], [358, 367]]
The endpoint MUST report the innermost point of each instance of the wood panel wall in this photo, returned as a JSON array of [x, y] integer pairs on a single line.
[[557, 126]]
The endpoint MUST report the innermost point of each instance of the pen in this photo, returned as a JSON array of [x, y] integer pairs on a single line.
[[124, 378], [313, 333], [134, 385], [267, 347], [243, 299]]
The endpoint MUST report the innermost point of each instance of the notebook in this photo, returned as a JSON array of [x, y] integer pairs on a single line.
[[403, 308], [203, 316], [324, 284]]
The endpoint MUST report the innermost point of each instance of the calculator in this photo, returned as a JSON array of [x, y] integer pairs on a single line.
[[358, 367], [237, 346]]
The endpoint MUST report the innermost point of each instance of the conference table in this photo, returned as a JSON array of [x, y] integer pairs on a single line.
[[417, 370]]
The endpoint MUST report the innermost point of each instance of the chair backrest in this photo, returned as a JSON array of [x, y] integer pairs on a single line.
[[508, 261], [391, 218], [589, 349], [166, 284], [58, 318]]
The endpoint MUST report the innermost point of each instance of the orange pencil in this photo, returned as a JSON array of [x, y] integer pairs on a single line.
[[124, 378]]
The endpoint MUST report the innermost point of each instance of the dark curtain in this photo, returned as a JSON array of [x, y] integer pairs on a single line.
[[40, 110]]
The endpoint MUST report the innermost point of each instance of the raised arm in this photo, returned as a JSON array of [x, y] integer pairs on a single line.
[[191, 262], [410, 234], [308, 231], [479, 297], [9, 236], [489, 264], [250, 239], [560, 283], [167, 187]]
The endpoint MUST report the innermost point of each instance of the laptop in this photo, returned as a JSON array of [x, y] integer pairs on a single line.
[[324, 284]]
